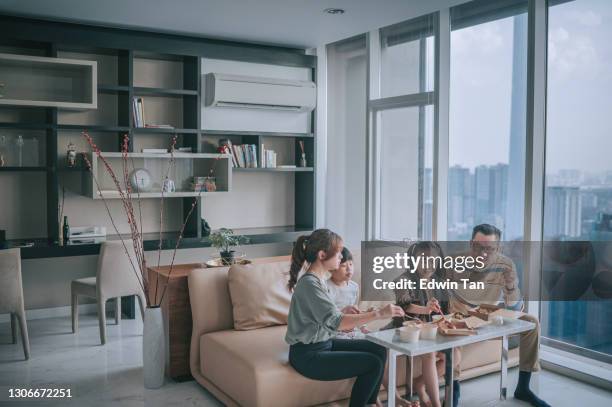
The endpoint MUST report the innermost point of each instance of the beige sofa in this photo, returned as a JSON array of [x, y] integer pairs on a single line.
[[250, 368]]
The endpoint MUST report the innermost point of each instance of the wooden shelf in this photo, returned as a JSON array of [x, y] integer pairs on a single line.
[[296, 169], [93, 128], [26, 126], [163, 130], [113, 88], [254, 133], [184, 168], [76, 90], [23, 169], [143, 91], [114, 194]]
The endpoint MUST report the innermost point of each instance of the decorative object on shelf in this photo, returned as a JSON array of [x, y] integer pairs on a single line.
[[205, 228], [223, 239], [66, 230], [154, 349], [210, 184], [168, 186], [71, 155], [204, 184], [19, 143], [218, 262], [3, 150], [303, 162], [141, 180]]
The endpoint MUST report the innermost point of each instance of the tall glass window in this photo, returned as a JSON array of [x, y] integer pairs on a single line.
[[407, 58], [578, 193], [488, 82], [403, 131]]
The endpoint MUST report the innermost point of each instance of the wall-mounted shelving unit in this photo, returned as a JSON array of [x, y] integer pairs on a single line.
[[182, 170], [163, 69], [27, 80]]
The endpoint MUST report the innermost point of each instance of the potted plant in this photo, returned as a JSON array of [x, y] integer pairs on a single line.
[[223, 239]]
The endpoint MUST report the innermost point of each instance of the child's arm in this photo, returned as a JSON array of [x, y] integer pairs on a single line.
[[432, 305]]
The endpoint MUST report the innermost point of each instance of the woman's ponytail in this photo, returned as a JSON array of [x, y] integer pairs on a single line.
[[306, 249], [298, 256]]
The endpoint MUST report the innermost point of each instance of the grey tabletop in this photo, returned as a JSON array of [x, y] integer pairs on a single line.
[[390, 339]]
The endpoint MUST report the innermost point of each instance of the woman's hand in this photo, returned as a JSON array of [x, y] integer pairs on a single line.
[[433, 306], [350, 309], [390, 311]]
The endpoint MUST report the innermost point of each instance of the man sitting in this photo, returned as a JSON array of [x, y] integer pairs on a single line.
[[501, 284]]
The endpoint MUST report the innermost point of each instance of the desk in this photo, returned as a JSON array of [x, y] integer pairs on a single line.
[[389, 340], [44, 248], [176, 309]]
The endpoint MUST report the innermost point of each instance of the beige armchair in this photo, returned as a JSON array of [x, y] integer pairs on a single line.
[[11, 295], [115, 278]]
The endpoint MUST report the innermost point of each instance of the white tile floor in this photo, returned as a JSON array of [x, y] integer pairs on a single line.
[[112, 375]]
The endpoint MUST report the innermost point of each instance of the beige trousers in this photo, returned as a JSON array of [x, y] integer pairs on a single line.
[[529, 351]]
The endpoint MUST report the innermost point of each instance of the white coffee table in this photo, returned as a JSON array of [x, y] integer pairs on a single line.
[[390, 340]]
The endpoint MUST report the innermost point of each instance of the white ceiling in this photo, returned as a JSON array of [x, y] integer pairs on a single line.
[[299, 23]]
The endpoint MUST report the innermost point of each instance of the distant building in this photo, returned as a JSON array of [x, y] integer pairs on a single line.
[[563, 212]]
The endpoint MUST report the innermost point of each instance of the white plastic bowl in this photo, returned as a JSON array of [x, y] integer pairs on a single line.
[[429, 331], [409, 334]]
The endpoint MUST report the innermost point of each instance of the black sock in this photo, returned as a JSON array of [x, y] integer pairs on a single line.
[[456, 392], [523, 381], [523, 392]]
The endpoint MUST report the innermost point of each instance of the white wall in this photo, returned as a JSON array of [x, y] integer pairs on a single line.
[[346, 142]]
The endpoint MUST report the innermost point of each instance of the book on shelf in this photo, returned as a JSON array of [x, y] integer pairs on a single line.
[[286, 166], [226, 147], [138, 112], [243, 155], [268, 158]]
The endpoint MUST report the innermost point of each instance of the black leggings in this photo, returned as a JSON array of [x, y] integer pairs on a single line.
[[337, 359]]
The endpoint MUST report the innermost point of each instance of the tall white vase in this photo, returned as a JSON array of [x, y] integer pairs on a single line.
[[153, 348]]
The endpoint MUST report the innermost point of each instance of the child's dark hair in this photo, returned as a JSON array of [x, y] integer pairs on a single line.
[[418, 248], [306, 249], [346, 255]]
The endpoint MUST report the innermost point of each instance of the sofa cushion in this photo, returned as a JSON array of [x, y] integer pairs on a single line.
[[259, 295], [252, 368]]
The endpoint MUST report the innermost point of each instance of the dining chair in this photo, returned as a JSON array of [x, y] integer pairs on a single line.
[[117, 276], [11, 295]]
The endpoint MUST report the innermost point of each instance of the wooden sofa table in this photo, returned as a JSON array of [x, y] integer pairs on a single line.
[[176, 310]]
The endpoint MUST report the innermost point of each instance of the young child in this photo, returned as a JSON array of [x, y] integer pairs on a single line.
[[344, 291], [345, 294], [420, 304]]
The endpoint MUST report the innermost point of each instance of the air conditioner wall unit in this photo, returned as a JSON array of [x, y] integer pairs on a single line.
[[252, 92]]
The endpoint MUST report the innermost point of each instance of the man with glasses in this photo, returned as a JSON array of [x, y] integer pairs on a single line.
[[501, 287]]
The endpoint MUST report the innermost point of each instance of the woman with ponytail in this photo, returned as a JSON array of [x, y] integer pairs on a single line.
[[314, 321]]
